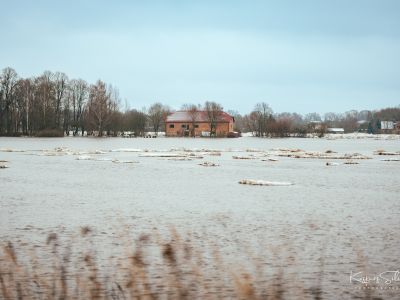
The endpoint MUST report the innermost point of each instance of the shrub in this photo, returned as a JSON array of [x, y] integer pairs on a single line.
[[50, 133]]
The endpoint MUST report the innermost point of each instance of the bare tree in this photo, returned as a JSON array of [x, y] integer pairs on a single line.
[[250, 123], [114, 124], [25, 96], [44, 100], [60, 86], [239, 124], [263, 114], [364, 115], [349, 121], [100, 107], [8, 83], [79, 92], [156, 116], [312, 117], [331, 119], [135, 121], [193, 112], [214, 111]]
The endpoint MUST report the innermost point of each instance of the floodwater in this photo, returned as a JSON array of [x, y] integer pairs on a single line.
[[347, 214]]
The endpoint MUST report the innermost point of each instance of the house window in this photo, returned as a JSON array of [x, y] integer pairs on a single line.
[[183, 125], [171, 126], [196, 126]]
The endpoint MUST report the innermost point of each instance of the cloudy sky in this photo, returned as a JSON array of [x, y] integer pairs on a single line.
[[298, 56]]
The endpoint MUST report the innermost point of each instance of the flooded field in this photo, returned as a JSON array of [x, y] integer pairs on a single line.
[[313, 210]]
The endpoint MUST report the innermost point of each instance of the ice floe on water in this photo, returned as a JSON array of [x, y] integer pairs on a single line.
[[114, 160], [253, 150], [118, 161], [320, 155], [180, 159], [208, 164], [264, 182], [332, 163], [84, 157], [269, 159], [384, 152], [97, 152], [391, 159], [204, 151], [162, 155], [214, 153], [347, 162], [243, 157], [284, 150], [188, 154], [128, 150], [61, 151], [10, 150], [3, 164], [351, 162]]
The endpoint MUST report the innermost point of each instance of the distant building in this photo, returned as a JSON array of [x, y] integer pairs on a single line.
[[397, 128], [335, 130], [185, 123], [387, 125], [315, 126]]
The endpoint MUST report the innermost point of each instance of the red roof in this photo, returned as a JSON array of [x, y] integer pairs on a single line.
[[201, 117]]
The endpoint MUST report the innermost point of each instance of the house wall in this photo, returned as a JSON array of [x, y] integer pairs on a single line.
[[221, 130]]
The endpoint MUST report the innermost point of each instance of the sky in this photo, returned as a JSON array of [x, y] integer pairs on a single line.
[[297, 56]]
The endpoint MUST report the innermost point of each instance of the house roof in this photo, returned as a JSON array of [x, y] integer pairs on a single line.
[[201, 117]]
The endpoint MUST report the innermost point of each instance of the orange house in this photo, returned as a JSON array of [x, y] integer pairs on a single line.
[[185, 123]]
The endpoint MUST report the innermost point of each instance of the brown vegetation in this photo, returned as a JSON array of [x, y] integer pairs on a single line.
[[155, 266]]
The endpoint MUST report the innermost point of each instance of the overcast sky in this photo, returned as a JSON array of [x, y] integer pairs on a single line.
[[296, 55]]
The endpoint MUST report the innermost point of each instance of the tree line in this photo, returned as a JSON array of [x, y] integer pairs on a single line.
[[51, 104], [263, 122]]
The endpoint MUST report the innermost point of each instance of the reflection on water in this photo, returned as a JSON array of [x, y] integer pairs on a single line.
[[336, 211]]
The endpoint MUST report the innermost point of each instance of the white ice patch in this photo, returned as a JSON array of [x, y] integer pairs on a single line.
[[84, 157], [208, 164]]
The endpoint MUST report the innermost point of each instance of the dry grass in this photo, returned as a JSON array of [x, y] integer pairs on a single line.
[[151, 266]]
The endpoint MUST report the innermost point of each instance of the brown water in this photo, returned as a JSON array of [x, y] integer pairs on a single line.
[[347, 214]]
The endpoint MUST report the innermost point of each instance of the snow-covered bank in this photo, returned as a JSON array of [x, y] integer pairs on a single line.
[[353, 135], [360, 135]]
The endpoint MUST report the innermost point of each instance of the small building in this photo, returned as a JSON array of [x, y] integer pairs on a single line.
[[315, 125], [187, 123], [396, 127], [335, 130], [387, 125]]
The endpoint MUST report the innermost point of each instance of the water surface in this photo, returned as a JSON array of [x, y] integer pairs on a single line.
[[335, 212]]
